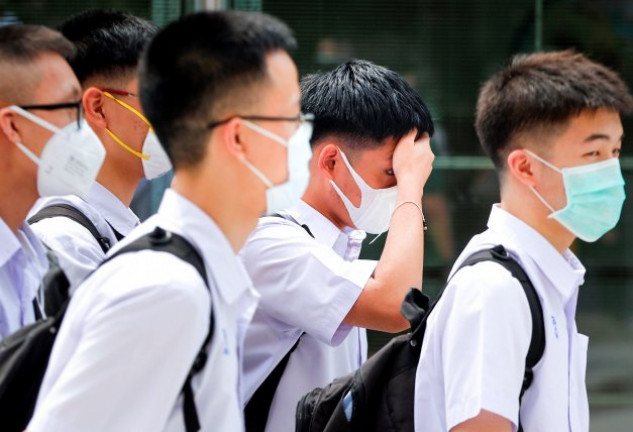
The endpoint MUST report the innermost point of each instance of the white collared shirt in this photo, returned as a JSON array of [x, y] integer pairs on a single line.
[[473, 355], [23, 264], [133, 329], [306, 285], [77, 250]]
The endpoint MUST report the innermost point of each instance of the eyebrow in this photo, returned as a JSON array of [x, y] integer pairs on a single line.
[[598, 136]]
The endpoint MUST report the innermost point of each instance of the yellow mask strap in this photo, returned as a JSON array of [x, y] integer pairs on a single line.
[[131, 108], [125, 146]]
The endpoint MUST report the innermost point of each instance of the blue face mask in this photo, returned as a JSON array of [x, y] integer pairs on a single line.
[[595, 195]]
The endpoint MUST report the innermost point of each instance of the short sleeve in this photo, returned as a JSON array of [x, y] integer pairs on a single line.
[[134, 344], [485, 341], [303, 283]]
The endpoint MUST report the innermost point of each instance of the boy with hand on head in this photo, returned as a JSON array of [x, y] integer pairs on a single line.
[[371, 159], [551, 124], [109, 45], [124, 356], [45, 151]]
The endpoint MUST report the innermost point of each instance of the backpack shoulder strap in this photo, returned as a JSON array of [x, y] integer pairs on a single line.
[[258, 407], [70, 212], [289, 217], [165, 241], [499, 255]]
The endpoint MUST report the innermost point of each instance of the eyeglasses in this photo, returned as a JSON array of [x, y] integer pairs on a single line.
[[52, 107], [301, 118]]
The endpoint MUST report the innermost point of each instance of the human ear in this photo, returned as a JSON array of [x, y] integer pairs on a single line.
[[8, 126], [229, 134], [327, 160], [519, 166], [92, 101]]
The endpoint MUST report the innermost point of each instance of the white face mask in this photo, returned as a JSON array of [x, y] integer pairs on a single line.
[[70, 160], [153, 156], [287, 194], [376, 205]]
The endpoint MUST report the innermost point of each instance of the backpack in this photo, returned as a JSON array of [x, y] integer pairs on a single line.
[[24, 355], [55, 284], [379, 396], [258, 407]]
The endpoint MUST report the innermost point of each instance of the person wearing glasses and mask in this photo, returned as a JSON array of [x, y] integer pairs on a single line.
[[45, 152], [108, 47], [371, 159], [134, 327]]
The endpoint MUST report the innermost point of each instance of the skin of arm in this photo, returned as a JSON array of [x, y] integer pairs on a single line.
[[485, 421], [400, 266]]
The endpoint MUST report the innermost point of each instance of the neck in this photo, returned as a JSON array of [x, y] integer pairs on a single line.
[[232, 212], [17, 198], [323, 203], [120, 182], [533, 212]]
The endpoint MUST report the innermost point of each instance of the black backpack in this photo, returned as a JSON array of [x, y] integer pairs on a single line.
[[382, 389], [24, 355], [55, 284]]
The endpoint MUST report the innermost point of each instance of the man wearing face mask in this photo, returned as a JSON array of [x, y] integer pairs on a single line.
[[134, 327], [45, 152], [109, 45], [551, 124], [371, 159]]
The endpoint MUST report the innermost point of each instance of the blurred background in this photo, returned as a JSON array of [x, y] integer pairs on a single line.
[[446, 49]]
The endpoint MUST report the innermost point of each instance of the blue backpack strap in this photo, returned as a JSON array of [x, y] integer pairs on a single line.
[[164, 241]]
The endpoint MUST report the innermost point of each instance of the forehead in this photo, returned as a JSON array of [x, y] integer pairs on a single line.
[[590, 128], [56, 80]]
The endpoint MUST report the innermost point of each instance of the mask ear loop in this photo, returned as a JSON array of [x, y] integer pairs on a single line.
[[546, 163]]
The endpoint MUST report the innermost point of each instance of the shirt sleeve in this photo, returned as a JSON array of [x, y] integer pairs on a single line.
[[303, 283], [135, 345], [78, 251], [485, 341]]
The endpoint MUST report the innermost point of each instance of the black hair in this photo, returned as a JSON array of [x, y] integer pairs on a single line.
[[109, 43], [363, 104], [538, 93], [199, 66]]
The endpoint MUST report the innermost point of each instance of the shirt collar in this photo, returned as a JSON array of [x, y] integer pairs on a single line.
[[10, 243], [564, 271], [112, 209], [221, 261], [322, 228]]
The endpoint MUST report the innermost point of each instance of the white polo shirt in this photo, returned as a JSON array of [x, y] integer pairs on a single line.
[[473, 355], [133, 329], [78, 251], [306, 285], [23, 264]]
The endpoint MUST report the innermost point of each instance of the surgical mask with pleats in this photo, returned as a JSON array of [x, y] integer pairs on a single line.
[[287, 194], [70, 160], [153, 157], [376, 205], [595, 195]]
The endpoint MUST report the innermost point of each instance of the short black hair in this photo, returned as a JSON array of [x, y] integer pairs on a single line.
[[20, 45], [109, 43], [200, 66], [538, 93], [363, 104]]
